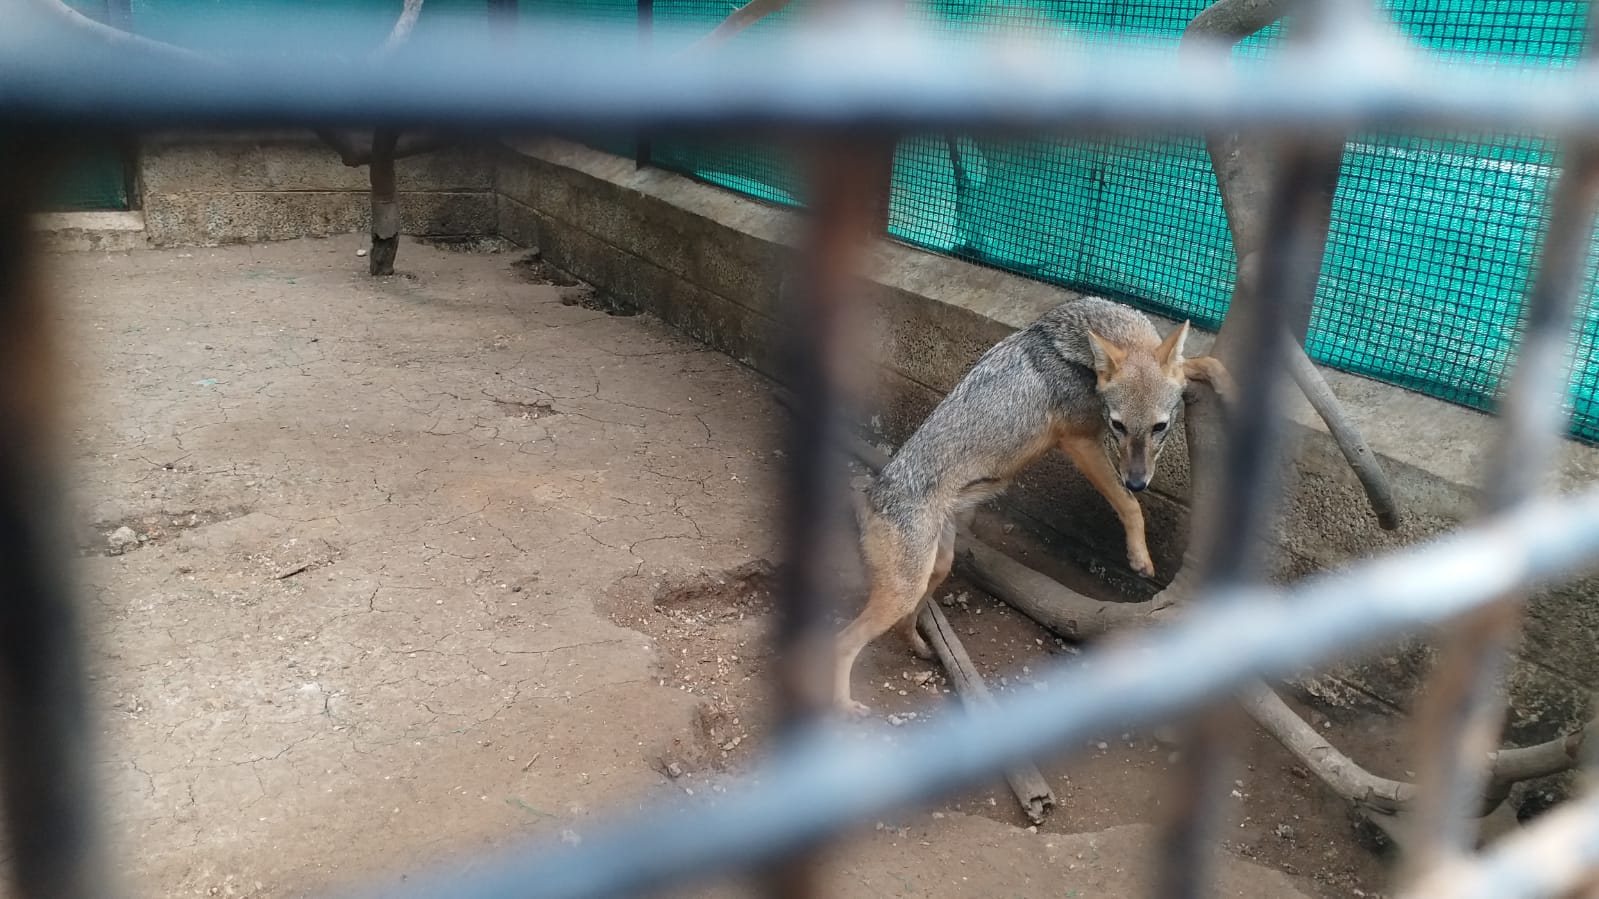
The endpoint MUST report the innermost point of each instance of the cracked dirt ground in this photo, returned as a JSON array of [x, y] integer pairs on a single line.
[[379, 534]]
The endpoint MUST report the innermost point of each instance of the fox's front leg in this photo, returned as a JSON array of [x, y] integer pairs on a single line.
[[1089, 457]]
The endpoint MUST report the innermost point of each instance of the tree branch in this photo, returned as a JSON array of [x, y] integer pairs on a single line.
[[1025, 780], [737, 21], [1243, 172], [116, 40], [402, 27]]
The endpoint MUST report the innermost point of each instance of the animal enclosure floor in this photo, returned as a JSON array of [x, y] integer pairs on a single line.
[[380, 571]]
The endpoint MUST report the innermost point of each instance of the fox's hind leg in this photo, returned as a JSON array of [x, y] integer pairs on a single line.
[[942, 563], [899, 564]]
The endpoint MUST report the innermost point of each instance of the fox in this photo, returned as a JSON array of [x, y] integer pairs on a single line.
[[1091, 377]]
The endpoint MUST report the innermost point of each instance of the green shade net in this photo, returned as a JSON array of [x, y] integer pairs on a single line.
[[1432, 239], [1432, 242]]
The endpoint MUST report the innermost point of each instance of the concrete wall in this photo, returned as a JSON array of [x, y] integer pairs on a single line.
[[709, 262], [216, 189]]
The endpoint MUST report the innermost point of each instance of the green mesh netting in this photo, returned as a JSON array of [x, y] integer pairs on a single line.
[[97, 179], [1432, 239]]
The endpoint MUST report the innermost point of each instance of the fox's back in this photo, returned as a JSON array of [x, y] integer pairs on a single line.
[[1022, 395], [1068, 324]]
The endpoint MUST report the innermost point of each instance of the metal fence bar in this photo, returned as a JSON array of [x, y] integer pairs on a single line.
[[1231, 528], [646, 36], [817, 317], [856, 74], [1554, 854], [1460, 718], [820, 783], [46, 744], [846, 74]]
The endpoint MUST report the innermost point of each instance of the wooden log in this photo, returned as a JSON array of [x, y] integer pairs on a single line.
[[1040, 597], [1026, 781]]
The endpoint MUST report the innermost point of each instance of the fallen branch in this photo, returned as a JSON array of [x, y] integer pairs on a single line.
[[1040, 597], [1379, 492], [1331, 767], [1031, 790]]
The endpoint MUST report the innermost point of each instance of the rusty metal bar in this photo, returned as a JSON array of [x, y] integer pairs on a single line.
[[646, 32], [1229, 530], [1556, 855], [817, 318], [46, 743], [1460, 718]]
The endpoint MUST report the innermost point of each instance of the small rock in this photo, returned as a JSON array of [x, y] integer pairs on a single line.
[[361, 252], [1285, 832], [121, 540], [674, 770], [896, 720], [1101, 746], [922, 678], [571, 838]]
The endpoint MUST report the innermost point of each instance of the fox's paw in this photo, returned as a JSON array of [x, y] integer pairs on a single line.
[[1141, 563], [919, 646], [853, 709]]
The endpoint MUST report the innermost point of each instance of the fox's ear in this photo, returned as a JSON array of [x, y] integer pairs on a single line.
[[1107, 356], [1170, 352]]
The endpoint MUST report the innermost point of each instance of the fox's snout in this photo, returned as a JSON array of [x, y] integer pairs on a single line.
[[1135, 465]]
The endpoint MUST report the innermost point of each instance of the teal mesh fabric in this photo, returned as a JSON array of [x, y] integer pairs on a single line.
[[96, 180], [1432, 239]]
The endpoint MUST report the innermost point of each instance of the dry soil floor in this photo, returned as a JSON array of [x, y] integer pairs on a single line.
[[425, 563]]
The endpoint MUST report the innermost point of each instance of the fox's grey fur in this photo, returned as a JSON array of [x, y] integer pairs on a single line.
[[1091, 377]]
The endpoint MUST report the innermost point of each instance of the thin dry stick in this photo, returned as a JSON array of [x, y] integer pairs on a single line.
[[1031, 790]]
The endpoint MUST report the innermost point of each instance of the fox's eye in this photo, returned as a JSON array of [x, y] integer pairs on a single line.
[[1158, 427], [1118, 426]]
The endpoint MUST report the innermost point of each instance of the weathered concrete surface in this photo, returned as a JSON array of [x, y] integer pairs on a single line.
[[710, 263], [375, 615], [461, 464], [247, 187], [63, 232]]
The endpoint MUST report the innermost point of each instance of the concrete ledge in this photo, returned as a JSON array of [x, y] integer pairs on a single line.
[[215, 189], [83, 231], [709, 262]]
